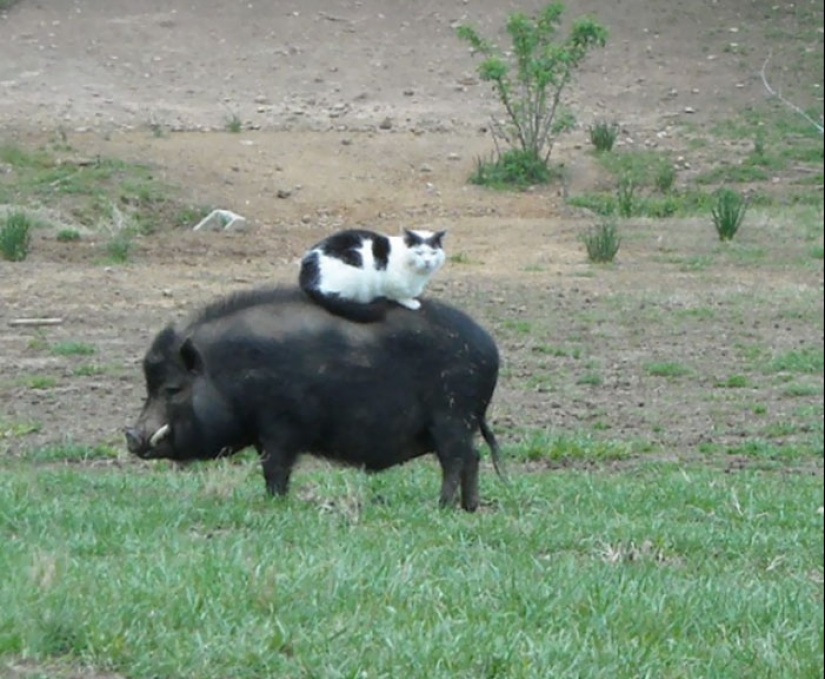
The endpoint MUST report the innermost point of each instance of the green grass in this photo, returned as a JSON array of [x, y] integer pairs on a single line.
[[12, 429], [72, 348], [662, 572], [68, 235], [41, 382], [666, 369], [94, 192], [806, 361], [233, 124]]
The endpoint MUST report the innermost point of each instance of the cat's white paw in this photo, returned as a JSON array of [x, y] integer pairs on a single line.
[[413, 304]]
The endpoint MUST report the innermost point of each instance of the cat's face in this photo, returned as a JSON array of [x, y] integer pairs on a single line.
[[425, 254]]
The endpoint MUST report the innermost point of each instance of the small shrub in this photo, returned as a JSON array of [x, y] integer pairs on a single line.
[[15, 237], [68, 235], [626, 197], [603, 136], [728, 212], [529, 79], [512, 168], [602, 242]]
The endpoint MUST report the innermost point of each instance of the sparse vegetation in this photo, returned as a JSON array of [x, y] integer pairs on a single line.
[[118, 248], [626, 196], [99, 194], [529, 85], [664, 178], [728, 213], [15, 236], [602, 242]]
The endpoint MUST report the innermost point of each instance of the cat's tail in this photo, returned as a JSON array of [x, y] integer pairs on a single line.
[[495, 451], [360, 312]]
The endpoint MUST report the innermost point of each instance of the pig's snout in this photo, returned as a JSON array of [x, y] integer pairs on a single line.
[[134, 440]]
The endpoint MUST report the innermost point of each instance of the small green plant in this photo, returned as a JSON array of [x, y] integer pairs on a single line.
[[72, 348], [15, 237], [529, 80], [233, 124], [602, 242], [626, 196], [666, 369], [513, 167], [68, 235], [728, 212], [664, 178], [603, 136], [118, 248]]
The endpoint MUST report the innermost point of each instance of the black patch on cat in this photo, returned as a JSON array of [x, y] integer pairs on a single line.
[[344, 245], [310, 276], [434, 241], [411, 239], [381, 251]]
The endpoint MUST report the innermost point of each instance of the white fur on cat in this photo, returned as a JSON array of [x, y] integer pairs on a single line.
[[408, 271]]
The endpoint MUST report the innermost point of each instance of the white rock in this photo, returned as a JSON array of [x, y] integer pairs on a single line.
[[221, 220]]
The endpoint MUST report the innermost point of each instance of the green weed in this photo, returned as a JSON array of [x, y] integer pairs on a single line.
[[666, 369], [233, 124], [602, 242], [15, 236], [68, 235], [728, 213], [72, 348], [603, 136]]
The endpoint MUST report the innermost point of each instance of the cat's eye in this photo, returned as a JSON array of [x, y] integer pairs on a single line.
[[172, 390]]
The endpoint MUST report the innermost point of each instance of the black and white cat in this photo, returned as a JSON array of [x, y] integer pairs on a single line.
[[353, 272]]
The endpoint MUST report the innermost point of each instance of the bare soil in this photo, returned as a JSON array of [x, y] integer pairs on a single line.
[[363, 112]]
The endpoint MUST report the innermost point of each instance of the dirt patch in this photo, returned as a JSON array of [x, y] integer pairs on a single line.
[[157, 83]]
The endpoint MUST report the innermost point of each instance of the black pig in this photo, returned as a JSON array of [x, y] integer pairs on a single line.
[[269, 368]]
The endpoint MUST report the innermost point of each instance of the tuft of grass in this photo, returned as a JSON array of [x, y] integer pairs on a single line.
[[602, 242], [603, 136], [665, 178], [591, 379], [69, 452], [733, 382], [666, 369], [42, 382], [810, 361], [233, 124], [118, 248], [68, 235], [513, 168], [71, 348], [728, 213], [10, 429], [542, 446], [626, 196], [15, 236]]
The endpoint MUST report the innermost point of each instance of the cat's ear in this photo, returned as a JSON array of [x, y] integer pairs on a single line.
[[411, 238], [435, 239]]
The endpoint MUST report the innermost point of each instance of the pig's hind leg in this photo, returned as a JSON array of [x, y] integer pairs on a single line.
[[459, 463]]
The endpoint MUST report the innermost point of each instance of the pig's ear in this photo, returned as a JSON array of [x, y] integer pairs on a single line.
[[191, 357]]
